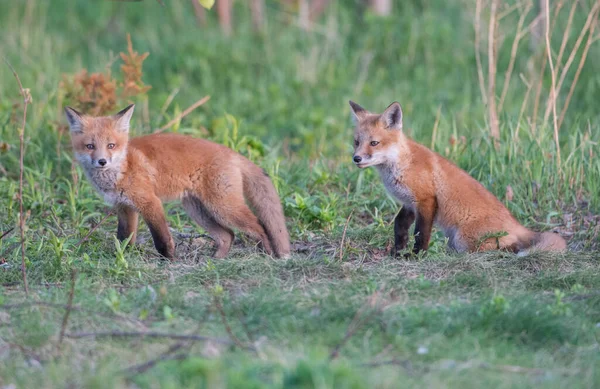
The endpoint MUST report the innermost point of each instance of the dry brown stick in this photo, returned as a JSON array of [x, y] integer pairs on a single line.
[[6, 233], [26, 100], [492, 66], [7, 307], [513, 55], [566, 34], [553, 87], [344, 236], [355, 324], [590, 19], [540, 79], [586, 48], [184, 113], [165, 356], [523, 105], [477, 53], [63, 326], [221, 311], [150, 334], [91, 231]]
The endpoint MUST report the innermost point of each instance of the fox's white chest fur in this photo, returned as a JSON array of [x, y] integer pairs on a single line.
[[392, 179], [105, 182]]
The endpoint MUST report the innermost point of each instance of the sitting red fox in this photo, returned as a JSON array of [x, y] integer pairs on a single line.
[[212, 181], [433, 189]]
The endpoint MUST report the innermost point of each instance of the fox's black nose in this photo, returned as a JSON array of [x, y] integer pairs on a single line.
[[357, 159], [102, 162]]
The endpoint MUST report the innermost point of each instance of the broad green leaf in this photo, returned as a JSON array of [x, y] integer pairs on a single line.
[[207, 3]]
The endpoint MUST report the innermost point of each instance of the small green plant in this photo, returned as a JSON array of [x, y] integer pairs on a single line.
[[559, 307], [577, 288], [121, 264], [112, 300], [58, 248], [498, 305]]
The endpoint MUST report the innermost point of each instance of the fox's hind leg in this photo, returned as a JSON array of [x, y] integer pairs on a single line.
[[234, 213], [222, 236]]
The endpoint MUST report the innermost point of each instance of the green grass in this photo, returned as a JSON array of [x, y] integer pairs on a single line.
[[444, 320]]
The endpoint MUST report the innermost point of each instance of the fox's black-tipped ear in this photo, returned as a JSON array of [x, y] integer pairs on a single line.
[[123, 118], [74, 119], [392, 116], [357, 111]]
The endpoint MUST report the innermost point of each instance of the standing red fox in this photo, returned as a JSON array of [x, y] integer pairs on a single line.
[[433, 189], [212, 181]]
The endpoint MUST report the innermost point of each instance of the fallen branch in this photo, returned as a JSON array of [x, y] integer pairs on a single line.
[[184, 113], [359, 319], [166, 356], [221, 311], [63, 326], [91, 231], [150, 334], [26, 100], [6, 233], [553, 87], [344, 236], [7, 307], [578, 72]]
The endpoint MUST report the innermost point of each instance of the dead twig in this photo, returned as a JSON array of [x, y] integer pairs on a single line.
[[592, 16], [165, 356], [221, 311], [477, 53], [586, 49], [513, 55], [492, 67], [357, 321], [91, 231], [184, 113], [6, 233], [344, 236], [63, 326], [27, 304], [151, 334], [26, 100], [553, 86]]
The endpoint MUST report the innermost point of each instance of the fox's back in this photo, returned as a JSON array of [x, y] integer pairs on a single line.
[[173, 164], [180, 151]]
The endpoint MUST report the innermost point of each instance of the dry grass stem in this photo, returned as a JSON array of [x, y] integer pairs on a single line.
[[492, 67], [26, 100], [184, 113], [513, 55], [477, 53]]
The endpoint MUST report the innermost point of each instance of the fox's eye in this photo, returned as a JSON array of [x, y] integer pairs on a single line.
[[374, 143], [90, 146], [111, 145], [356, 142]]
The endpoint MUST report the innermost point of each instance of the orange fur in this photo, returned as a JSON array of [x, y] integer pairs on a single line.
[[434, 190], [212, 181]]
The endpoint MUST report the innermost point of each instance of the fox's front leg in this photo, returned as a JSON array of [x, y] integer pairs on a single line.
[[154, 215], [128, 223], [402, 223], [425, 216]]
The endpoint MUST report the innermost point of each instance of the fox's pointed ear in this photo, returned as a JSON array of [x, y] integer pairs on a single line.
[[392, 116], [358, 112], [123, 118], [74, 118]]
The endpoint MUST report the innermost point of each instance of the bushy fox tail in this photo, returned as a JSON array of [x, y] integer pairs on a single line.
[[544, 241], [264, 200]]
